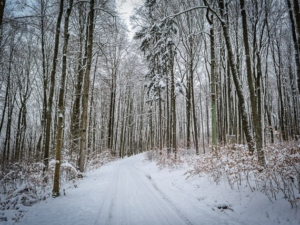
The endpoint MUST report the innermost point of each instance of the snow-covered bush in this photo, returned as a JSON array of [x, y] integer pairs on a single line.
[[239, 168], [96, 160], [25, 183], [166, 159], [151, 155]]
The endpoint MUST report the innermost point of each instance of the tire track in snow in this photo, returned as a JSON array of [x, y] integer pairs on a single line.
[[168, 200], [133, 199], [105, 211]]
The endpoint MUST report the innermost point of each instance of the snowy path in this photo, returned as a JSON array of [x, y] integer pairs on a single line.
[[134, 200], [118, 193], [133, 191]]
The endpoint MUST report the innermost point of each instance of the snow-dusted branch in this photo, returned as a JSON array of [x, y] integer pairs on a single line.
[[108, 12], [194, 8]]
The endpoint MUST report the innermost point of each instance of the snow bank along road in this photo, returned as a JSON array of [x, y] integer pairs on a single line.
[[117, 193]]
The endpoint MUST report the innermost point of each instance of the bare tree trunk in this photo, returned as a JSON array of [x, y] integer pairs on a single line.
[[91, 131], [141, 143], [112, 111], [9, 103], [52, 84], [86, 87], [168, 116], [213, 83], [61, 104], [188, 112], [296, 11], [173, 103], [2, 6], [193, 103], [294, 36], [254, 99], [40, 145], [5, 103], [75, 117], [160, 138]]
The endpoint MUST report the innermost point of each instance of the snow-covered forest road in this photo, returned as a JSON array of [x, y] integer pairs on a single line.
[[118, 193], [134, 191], [132, 199]]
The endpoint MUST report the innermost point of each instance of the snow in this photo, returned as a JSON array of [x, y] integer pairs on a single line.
[[135, 191], [162, 84]]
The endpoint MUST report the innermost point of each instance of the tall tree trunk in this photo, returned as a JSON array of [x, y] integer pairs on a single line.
[[61, 104], [168, 118], [160, 138], [75, 117], [297, 24], [112, 111], [188, 112], [294, 36], [40, 145], [91, 122], [52, 84], [213, 83], [173, 103], [254, 99], [8, 103], [86, 87], [2, 6], [5, 103], [195, 122]]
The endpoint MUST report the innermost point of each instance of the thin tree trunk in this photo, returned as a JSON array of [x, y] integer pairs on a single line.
[[5, 103], [91, 131], [188, 112], [112, 112], [40, 146], [173, 103], [160, 139]]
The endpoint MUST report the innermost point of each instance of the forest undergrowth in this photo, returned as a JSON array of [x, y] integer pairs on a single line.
[[25, 183], [234, 165]]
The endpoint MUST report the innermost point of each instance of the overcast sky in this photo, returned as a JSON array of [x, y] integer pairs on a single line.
[[125, 8]]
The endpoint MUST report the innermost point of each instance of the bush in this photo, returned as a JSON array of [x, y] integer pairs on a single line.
[[238, 167]]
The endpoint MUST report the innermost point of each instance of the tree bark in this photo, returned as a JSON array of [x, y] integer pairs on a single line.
[[254, 99], [2, 6], [173, 103], [213, 83], [296, 42], [52, 84], [75, 118], [86, 87], [61, 104]]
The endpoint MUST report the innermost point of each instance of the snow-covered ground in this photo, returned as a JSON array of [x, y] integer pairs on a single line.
[[134, 191]]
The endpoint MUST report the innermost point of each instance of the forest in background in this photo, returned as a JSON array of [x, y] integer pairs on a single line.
[[197, 75]]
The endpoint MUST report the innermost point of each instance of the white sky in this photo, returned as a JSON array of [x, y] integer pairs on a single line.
[[125, 8]]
